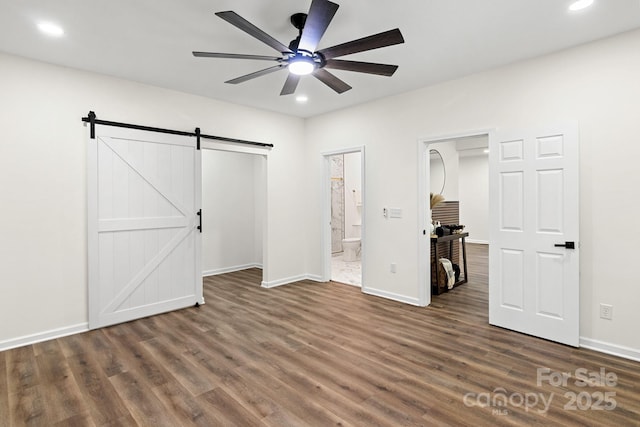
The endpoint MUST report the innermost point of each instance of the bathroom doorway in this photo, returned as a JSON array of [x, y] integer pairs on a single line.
[[344, 211]]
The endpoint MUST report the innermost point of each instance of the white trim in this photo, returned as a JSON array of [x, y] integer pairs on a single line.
[[198, 235], [609, 348], [263, 152], [208, 144], [43, 336], [456, 135], [392, 296], [315, 278], [292, 279], [231, 269], [477, 241], [423, 240], [285, 281], [93, 266]]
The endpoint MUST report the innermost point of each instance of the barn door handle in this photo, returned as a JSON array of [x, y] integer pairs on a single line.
[[568, 245], [199, 213]]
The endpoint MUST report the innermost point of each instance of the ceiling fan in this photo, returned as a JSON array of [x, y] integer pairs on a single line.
[[302, 58]]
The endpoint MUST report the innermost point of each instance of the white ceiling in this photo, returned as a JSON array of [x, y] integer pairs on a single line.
[[150, 41]]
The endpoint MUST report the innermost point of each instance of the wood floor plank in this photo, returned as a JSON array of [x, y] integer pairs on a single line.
[[291, 400], [136, 355], [64, 398], [309, 354], [188, 374], [228, 409], [145, 407], [253, 400], [103, 401], [4, 391], [22, 369], [27, 407], [324, 393], [80, 420], [188, 410]]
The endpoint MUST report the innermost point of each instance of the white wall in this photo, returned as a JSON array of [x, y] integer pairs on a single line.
[[43, 255], [43, 168], [595, 85], [231, 236], [473, 182]]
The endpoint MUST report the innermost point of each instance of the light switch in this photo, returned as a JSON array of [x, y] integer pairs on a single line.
[[395, 213]]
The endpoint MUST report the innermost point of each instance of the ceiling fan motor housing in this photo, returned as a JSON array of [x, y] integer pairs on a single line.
[[297, 20]]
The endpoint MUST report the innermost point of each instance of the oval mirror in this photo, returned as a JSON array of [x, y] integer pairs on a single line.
[[438, 173]]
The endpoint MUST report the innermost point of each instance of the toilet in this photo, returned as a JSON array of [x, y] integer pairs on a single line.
[[351, 248]]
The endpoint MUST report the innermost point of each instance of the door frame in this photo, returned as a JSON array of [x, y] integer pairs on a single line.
[[326, 211], [263, 154], [423, 240]]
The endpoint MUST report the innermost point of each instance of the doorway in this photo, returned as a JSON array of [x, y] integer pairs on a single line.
[[343, 216], [533, 227], [234, 214], [459, 176]]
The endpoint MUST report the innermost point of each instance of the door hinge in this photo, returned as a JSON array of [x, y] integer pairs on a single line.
[[199, 213]]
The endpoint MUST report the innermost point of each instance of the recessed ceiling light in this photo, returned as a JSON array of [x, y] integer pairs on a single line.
[[51, 29], [580, 4], [485, 151], [302, 98]]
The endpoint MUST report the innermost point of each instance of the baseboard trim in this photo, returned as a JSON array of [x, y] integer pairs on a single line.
[[392, 296], [612, 349], [315, 278], [224, 270], [43, 336], [292, 279]]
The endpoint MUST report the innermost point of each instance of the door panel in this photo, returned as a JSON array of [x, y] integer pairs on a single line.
[[533, 284], [144, 246]]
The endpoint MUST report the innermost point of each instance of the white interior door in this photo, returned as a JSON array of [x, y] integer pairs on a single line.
[[533, 186], [144, 242]]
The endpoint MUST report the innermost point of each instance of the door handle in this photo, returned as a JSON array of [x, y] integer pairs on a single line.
[[568, 245], [199, 213]]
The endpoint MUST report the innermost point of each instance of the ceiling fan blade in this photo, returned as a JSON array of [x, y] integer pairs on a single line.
[[253, 75], [236, 56], [290, 84], [246, 26], [387, 38], [330, 80], [319, 17], [362, 67]]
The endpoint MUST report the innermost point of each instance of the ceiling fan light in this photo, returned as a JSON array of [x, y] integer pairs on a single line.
[[580, 4], [301, 65], [51, 29]]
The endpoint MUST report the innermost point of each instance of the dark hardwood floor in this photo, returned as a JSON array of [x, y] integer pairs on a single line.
[[314, 354]]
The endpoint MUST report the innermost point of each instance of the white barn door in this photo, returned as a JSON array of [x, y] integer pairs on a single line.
[[144, 242], [534, 233]]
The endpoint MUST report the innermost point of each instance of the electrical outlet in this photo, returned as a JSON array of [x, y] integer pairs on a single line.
[[606, 311]]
